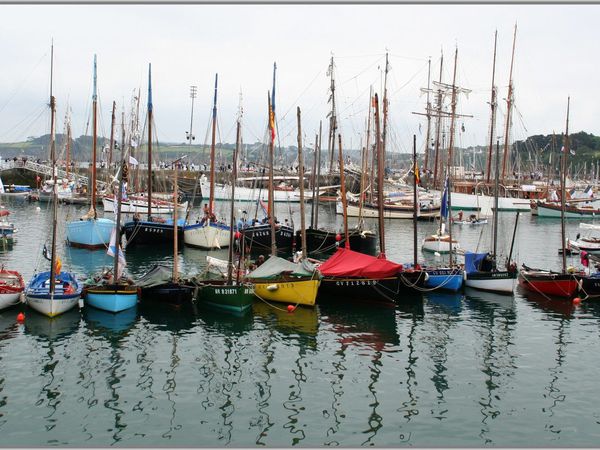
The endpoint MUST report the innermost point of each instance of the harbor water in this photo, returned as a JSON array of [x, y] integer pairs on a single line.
[[441, 370]]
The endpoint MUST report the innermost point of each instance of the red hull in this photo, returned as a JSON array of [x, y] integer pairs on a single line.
[[557, 285]]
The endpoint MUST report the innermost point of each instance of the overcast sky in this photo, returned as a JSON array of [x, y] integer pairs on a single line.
[[556, 56]]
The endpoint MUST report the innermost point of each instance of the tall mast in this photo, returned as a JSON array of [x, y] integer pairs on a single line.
[[332, 116], [94, 138], [149, 187], [415, 200], [563, 182], [315, 190], [316, 200], [119, 198], [301, 180], [364, 163], [232, 212], [190, 137], [385, 111], [271, 206], [53, 159], [112, 134], [428, 114], [343, 193], [493, 114], [509, 103], [496, 187], [438, 126], [450, 147], [380, 163], [68, 150], [211, 198]]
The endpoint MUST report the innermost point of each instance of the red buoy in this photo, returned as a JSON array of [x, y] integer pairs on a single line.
[[338, 237], [20, 317], [291, 308], [576, 301], [237, 234]]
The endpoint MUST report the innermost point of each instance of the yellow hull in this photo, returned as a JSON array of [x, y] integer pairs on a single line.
[[287, 291]]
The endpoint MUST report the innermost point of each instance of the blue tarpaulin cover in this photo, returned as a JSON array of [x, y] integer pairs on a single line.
[[473, 261]]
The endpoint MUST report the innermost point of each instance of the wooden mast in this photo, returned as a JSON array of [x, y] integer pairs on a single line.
[[415, 200], [119, 199], [94, 139], [380, 163], [563, 182], [149, 187], [438, 127], [271, 205], [332, 116], [496, 188], [315, 190], [301, 182], [68, 150], [365, 164], [316, 200], [175, 236], [385, 111], [509, 102], [53, 159], [450, 147], [112, 134], [211, 198], [232, 212], [428, 115], [493, 106], [343, 193]]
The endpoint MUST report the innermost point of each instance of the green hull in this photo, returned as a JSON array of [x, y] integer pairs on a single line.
[[231, 298]]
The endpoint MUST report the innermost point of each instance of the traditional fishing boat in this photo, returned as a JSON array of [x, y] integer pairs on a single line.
[[209, 233], [442, 242], [11, 287], [53, 292], [91, 231]]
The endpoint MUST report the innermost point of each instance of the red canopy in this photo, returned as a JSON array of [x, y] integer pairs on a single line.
[[4, 212], [348, 263]]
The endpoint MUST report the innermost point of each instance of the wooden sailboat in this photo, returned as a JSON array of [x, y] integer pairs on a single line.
[[263, 237], [11, 287], [280, 280], [151, 231], [209, 233], [548, 282], [114, 293], [90, 231], [352, 275], [230, 295], [55, 291]]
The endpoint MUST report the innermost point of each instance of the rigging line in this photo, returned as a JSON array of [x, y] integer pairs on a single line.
[[24, 80], [411, 58], [410, 79], [363, 71], [295, 102], [39, 111]]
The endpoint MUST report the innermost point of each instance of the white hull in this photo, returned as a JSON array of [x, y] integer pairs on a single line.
[[206, 237], [542, 211], [354, 211], [485, 203], [503, 285], [439, 244], [141, 206], [53, 307], [8, 300], [245, 194]]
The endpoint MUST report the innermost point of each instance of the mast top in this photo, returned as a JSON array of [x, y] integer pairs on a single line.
[[150, 87], [95, 94]]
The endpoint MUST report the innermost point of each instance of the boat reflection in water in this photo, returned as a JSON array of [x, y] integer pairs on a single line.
[[100, 320], [225, 322], [491, 298], [169, 317], [53, 328], [554, 306], [83, 261], [446, 302], [303, 320]]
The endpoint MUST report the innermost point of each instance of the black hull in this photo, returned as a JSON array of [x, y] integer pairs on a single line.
[[257, 239], [171, 293], [372, 290], [323, 242], [151, 233]]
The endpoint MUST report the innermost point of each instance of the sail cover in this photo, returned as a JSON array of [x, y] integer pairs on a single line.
[[156, 276], [348, 263], [473, 261], [275, 266]]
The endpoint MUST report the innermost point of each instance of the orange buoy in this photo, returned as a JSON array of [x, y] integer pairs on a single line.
[[291, 308], [576, 301], [20, 317]]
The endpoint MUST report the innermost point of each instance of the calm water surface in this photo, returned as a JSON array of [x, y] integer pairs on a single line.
[[465, 370]]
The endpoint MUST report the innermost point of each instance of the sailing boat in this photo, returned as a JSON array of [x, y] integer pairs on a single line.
[[481, 268], [548, 282], [114, 293], [261, 237], [53, 292], [440, 242], [352, 275], [91, 231], [278, 279], [151, 231], [209, 233], [228, 295]]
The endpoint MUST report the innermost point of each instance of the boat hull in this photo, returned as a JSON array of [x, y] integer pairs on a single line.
[[548, 283], [324, 242], [257, 239], [446, 279], [141, 206], [290, 291], [90, 234], [389, 211], [39, 298], [112, 298], [554, 212], [439, 244], [171, 293], [11, 288], [502, 282], [237, 299], [207, 236], [140, 232]]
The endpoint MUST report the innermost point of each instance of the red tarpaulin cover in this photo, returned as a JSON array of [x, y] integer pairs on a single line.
[[348, 263], [4, 212]]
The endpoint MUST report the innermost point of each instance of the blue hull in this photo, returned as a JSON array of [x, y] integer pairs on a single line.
[[445, 279], [67, 292], [90, 234], [111, 298]]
